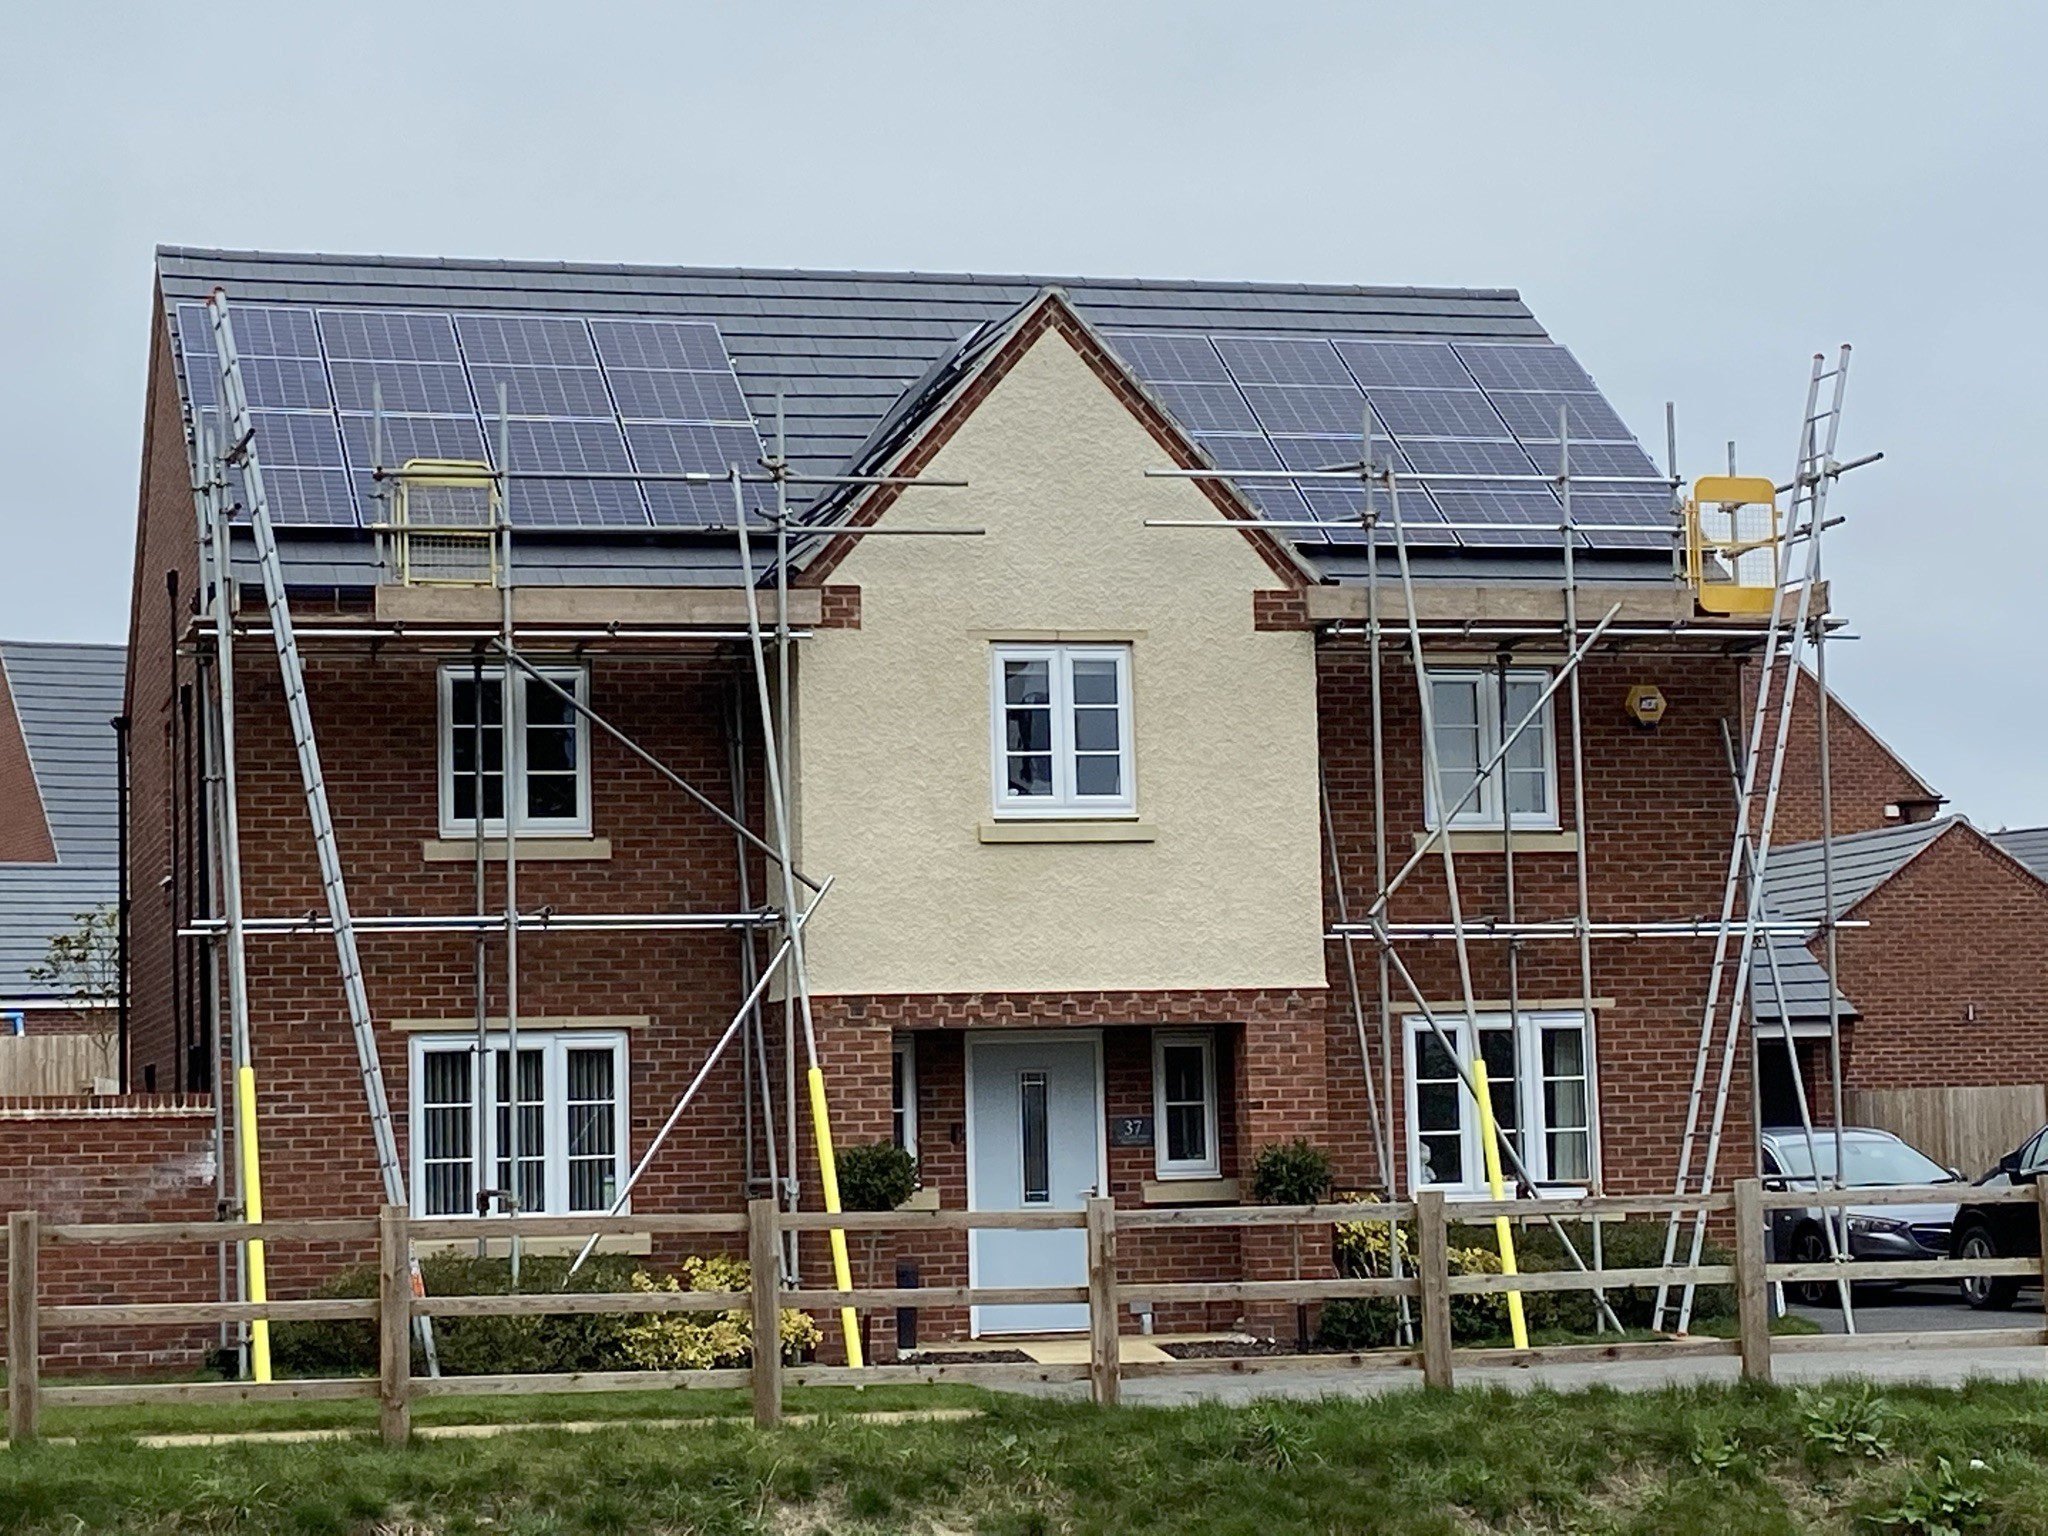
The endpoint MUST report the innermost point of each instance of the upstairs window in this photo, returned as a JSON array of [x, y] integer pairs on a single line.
[[1541, 1084], [1062, 730], [1466, 706], [544, 757]]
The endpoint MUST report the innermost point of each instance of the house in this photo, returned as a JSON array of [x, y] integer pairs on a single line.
[[59, 863], [1944, 949], [1871, 786], [1065, 767]]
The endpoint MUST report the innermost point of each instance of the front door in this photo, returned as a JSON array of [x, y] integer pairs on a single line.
[[1034, 1145]]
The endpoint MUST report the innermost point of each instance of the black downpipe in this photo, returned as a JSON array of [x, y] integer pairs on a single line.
[[188, 1040], [120, 725], [179, 1021]]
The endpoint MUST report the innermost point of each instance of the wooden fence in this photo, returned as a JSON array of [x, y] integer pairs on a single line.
[[54, 1065], [1967, 1129], [1431, 1287]]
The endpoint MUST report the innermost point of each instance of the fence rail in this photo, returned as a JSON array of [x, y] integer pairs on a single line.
[[1430, 1285]]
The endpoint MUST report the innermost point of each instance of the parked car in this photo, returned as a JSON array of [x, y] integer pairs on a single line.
[[2002, 1231], [1870, 1158]]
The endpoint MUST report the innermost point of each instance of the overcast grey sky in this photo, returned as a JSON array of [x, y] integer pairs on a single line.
[[1693, 198]]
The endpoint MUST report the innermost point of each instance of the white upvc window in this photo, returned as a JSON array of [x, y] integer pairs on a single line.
[[571, 1101], [544, 757], [1061, 730], [903, 1093], [1184, 1104], [1540, 1080], [1466, 707]]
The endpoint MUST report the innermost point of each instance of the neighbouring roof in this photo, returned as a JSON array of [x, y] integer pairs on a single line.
[[847, 351], [1799, 989], [65, 696], [1794, 884], [2027, 844]]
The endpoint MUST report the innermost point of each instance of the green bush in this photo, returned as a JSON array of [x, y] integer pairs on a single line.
[[485, 1346], [876, 1178], [1290, 1173], [1361, 1249]]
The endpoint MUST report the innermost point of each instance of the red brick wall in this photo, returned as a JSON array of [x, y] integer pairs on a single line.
[[1865, 774], [24, 830], [1961, 929], [104, 1160]]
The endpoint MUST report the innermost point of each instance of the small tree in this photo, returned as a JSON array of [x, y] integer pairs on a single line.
[[877, 1177], [1292, 1173], [85, 962]]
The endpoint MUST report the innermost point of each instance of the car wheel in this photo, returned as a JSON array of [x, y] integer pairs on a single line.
[[1810, 1246], [1985, 1292]]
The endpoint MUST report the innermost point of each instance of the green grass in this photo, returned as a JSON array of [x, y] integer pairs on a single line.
[[1710, 1459]]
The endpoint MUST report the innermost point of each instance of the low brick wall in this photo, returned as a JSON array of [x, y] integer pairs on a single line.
[[130, 1158]]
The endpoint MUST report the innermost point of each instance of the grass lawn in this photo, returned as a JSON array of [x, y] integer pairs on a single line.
[[1719, 1459]]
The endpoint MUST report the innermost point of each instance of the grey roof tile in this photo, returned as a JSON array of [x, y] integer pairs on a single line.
[[1793, 876], [37, 902], [2027, 844], [66, 695]]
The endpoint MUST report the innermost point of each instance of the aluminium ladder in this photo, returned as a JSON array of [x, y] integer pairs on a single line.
[[240, 452], [1749, 853]]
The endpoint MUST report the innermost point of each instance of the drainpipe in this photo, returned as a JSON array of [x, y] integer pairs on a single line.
[[120, 725]]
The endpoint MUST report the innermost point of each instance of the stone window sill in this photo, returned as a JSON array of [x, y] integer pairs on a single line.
[[462, 850], [1079, 831], [1190, 1192], [1485, 840]]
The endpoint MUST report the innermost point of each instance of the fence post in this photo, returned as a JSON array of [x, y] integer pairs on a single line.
[[394, 1325], [24, 1326], [1105, 1361], [1752, 1281], [764, 1262], [1433, 1273]]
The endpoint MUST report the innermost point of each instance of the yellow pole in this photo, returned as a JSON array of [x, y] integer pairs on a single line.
[[828, 1177], [252, 1203], [1489, 1135]]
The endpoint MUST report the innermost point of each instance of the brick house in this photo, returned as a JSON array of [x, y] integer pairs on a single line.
[[59, 855], [1065, 771]]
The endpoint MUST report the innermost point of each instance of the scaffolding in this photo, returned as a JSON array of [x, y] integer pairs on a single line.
[[1731, 550], [449, 523]]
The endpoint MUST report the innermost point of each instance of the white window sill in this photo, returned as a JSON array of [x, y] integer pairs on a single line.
[[1488, 840], [1190, 1191], [495, 1024], [1458, 1196], [1075, 830], [462, 850]]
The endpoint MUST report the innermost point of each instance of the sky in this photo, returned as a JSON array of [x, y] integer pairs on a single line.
[[1694, 198]]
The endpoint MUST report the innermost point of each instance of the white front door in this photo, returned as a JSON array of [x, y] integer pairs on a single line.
[[1034, 1144]]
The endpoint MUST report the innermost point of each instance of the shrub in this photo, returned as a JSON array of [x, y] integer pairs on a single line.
[[685, 1341], [1290, 1173], [476, 1346], [876, 1178]]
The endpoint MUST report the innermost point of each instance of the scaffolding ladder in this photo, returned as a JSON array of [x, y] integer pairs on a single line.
[[239, 453]]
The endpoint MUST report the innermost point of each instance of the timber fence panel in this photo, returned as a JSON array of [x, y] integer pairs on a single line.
[[1967, 1129]]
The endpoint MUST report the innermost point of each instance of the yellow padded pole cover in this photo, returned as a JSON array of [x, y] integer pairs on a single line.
[[828, 1179], [1503, 1230], [252, 1210]]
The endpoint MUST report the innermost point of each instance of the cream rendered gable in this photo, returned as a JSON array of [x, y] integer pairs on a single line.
[[893, 770]]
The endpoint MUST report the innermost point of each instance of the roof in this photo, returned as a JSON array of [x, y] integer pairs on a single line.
[[1799, 991], [2027, 844], [844, 349], [1793, 883], [65, 696]]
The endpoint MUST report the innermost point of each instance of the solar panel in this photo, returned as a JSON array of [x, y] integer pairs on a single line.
[[285, 383], [570, 446], [538, 340], [386, 335], [1600, 459], [531, 391], [1523, 514], [1161, 359], [647, 394], [1437, 413], [306, 440], [1380, 365], [680, 448], [310, 498], [1307, 408], [271, 331], [431, 389], [1533, 417], [1525, 366], [1454, 457], [1207, 407], [683, 344], [1264, 360]]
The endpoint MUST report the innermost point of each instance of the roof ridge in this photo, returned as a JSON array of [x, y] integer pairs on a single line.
[[863, 274]]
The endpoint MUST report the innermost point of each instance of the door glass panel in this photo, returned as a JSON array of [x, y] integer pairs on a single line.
[[593, 1129], [1037, 1153], [532, 1107]]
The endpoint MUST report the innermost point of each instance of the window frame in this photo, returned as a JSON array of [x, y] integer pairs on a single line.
[[1065, 802], [1483, 811], [1165, 1167], [903, 1078], [554, 1046], [512, 712], [1531, 1121]]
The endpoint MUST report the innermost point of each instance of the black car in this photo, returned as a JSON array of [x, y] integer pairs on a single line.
[[1871, 1159], [2002, 1231]]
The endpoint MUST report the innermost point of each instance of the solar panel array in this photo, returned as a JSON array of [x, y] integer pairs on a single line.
[[1440, 409], [601, 396]]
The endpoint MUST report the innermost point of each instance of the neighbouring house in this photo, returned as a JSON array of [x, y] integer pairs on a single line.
[[1872, 786], [59, 865], [1066, 770]]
